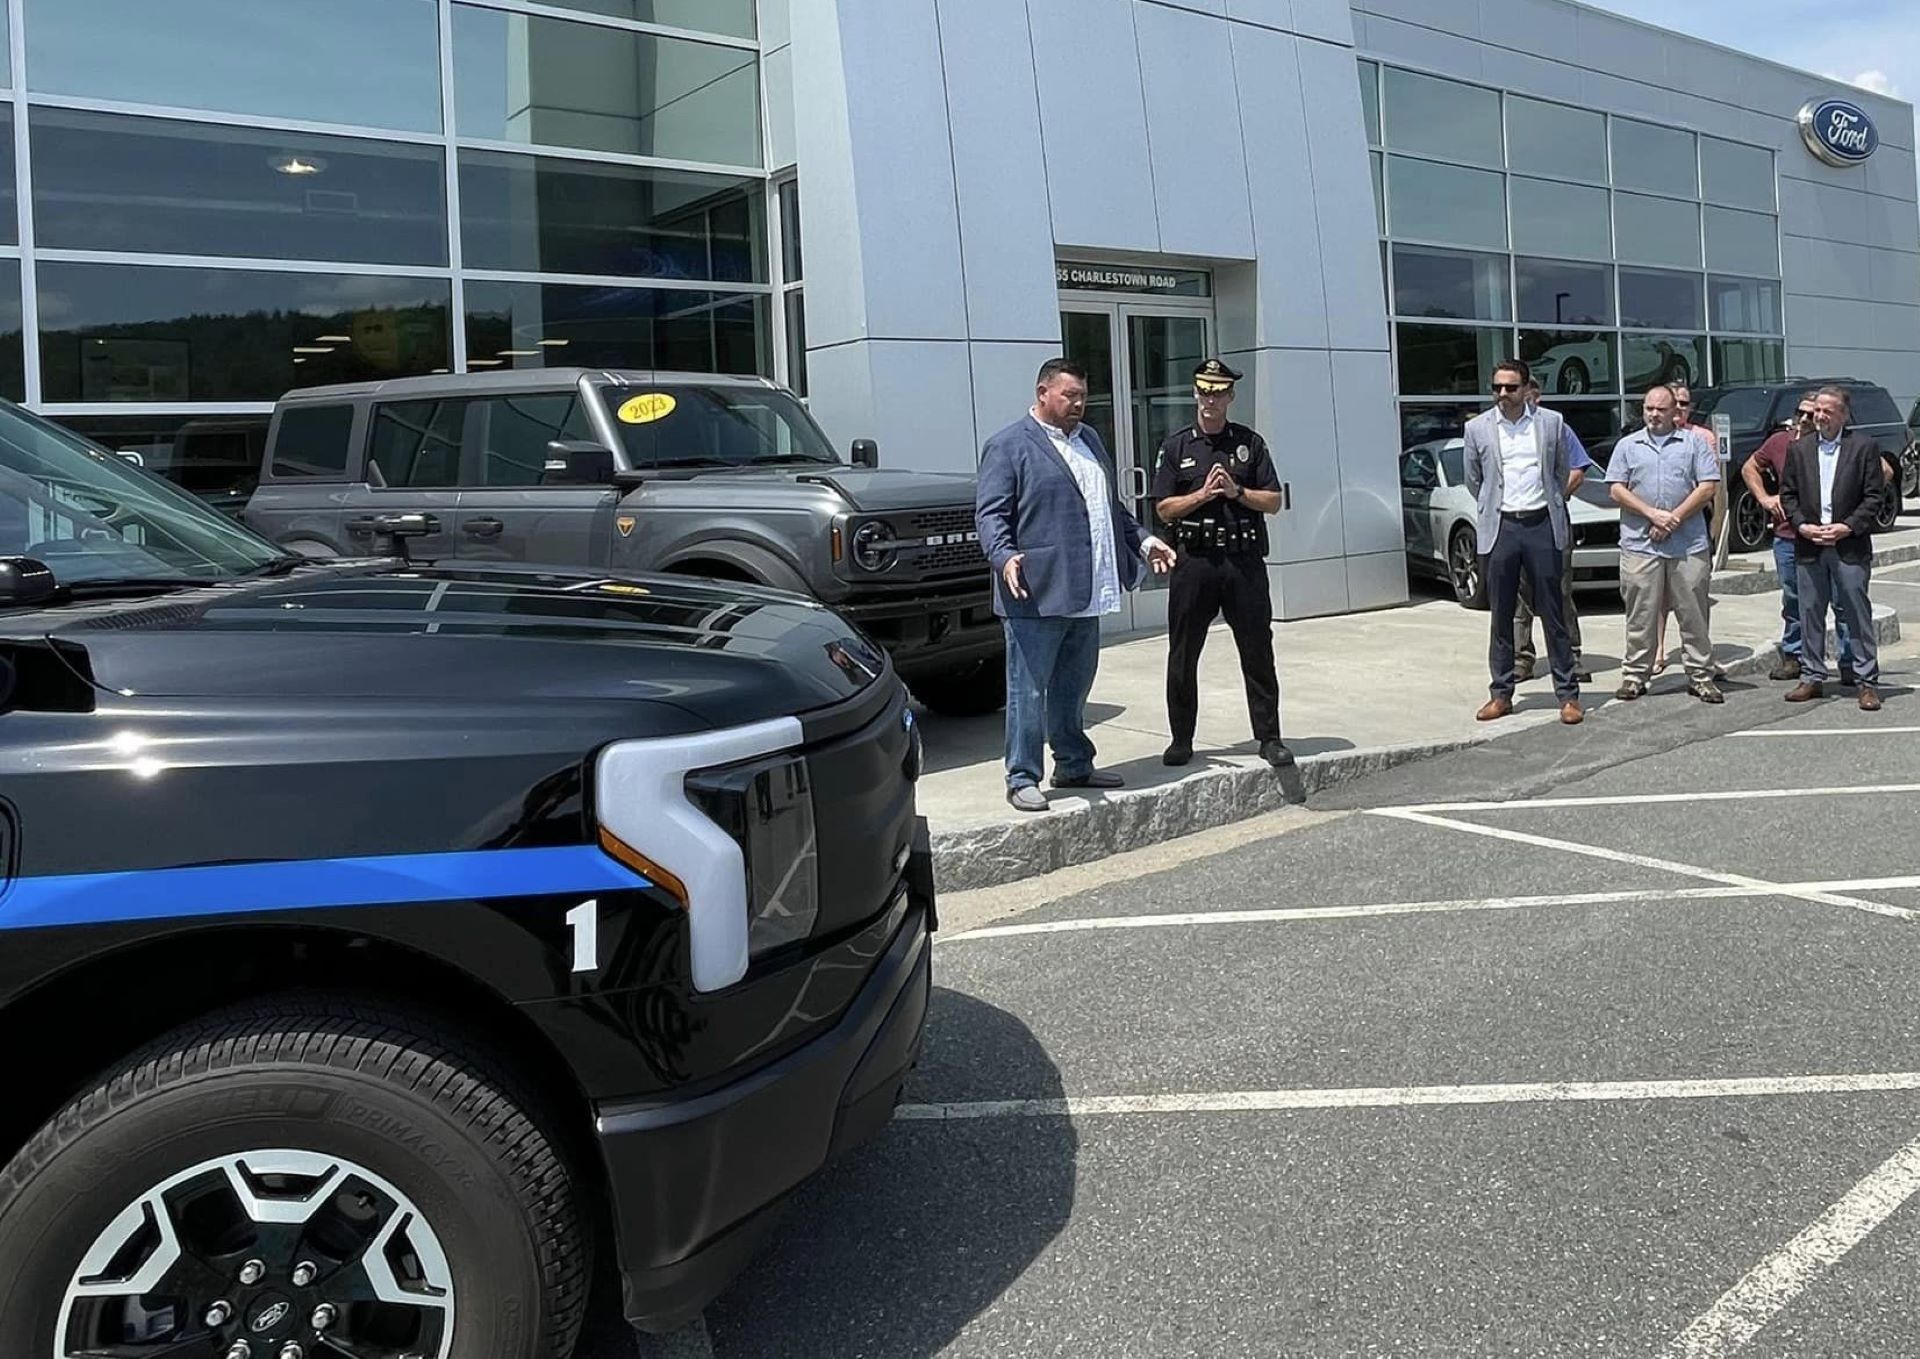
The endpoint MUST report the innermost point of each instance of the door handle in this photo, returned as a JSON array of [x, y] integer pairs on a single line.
[[488, 527], [1138, 481], [409, 525]]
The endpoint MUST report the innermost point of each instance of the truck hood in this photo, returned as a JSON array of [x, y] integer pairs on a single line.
[[872, 491], [727, 655]]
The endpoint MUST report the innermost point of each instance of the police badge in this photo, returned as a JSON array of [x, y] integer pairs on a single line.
[[1243, 455]]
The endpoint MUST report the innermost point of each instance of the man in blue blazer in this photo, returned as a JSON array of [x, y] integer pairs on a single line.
[[1063, 549]]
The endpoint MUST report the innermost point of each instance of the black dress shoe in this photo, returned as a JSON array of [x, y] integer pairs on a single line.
[[1099, 778], [1276, 754], [1582, 675], [1179, 753]]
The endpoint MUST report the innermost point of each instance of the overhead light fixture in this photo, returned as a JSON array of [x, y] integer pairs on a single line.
[[519, 353], [313, 349], [291, 164], [333, 339], [556, 344], [299, 360], [484, 363]]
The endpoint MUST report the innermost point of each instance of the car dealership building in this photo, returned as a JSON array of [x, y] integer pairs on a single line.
[[1359, 204]]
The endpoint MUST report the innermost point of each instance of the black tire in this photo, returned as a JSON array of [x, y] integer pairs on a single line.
[[1890, 507], [1751, 529], [1574, 380], [973, 690], [1463, 568], [1910, 474], [327, 1078]]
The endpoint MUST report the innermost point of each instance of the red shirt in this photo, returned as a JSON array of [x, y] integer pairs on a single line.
[[1772, 455]]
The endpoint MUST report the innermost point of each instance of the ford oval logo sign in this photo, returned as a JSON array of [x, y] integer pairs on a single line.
[[1838, 132]]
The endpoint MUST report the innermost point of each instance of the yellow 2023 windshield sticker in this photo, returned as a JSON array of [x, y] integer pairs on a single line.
[[645, 409]]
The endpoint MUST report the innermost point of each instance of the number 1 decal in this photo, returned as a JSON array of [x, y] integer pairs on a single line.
[[584, 921]]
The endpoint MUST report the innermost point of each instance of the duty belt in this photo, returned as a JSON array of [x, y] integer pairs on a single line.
[[1215, 535]]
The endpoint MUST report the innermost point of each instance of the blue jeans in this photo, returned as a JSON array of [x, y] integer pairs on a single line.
[[1050, 665], [1790, 643]]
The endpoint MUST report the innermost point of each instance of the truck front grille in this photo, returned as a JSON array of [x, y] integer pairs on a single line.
[[949, 541]]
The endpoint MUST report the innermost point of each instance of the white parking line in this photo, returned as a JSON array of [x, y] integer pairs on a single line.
[[1776, 1281], [1825, 731], [1635, 799], [1759, 886], [1401, 1096]]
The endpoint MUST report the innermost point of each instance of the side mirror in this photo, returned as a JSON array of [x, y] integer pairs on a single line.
[[578, 462], [24, 581], [866, 453]]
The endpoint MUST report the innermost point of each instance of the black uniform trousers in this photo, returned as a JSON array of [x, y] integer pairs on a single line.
[[1204, 586], [1526, 547]]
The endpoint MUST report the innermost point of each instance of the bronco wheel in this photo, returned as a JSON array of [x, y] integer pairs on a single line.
[[310, 1180], [1750, 528], [1463, 568]]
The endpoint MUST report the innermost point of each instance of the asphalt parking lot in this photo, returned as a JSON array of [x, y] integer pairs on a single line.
[[1600, 1041]]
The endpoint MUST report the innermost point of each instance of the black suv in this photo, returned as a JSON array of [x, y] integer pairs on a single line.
[[380, 941], [1758, 409]]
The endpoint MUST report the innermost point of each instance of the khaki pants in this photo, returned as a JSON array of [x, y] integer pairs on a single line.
[[1653, 585]]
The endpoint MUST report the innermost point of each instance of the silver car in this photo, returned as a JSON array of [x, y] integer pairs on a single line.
[[1438, 511]]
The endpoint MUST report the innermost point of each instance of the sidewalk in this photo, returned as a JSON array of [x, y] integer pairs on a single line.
[[1359, 693]]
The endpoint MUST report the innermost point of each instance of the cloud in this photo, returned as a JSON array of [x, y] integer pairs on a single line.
[[1879, 82]]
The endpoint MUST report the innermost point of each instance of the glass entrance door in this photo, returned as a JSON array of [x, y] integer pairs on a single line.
[[1140, 359]]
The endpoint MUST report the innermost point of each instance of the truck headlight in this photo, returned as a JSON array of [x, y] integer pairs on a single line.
[[766, 806], [874, 546]]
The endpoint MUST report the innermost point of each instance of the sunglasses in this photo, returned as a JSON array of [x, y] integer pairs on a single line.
[[1507, 387]]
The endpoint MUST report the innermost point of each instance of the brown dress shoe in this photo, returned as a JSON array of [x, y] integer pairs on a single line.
[[1869, 699], [1494, 709], [1572, 713], [1806, 691]]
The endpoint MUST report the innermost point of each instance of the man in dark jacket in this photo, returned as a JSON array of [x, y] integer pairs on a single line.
[[1831, 495]]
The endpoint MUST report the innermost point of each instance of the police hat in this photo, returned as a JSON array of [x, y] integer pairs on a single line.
[[1214, 376]]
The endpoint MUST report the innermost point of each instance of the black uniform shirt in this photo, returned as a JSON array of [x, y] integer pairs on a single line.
[[1185, 460]]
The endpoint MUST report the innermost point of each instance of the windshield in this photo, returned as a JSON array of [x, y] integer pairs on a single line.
[[90, 515], [1746, 407], [674, 425]]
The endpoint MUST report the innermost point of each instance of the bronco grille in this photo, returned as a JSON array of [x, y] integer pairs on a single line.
[[947, 538]]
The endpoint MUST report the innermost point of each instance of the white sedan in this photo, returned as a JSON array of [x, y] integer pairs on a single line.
[[1582, 366], [1439, 511]]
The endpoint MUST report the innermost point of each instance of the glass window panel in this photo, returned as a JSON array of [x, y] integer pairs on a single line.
[[797, 341], [1746, 408], [217, 457], [6, 49], [1657, 300], [1749, 361], [1657, 230], [1564, 294], [1657, 159], [542, 214], [1444, 118], [1872, 406], [13, 370], [1554, 139], [1379, 193], [1572, 362], [314, 441], [1746, 304], [473, 441], [104, 181], [1742, 242], [9, 204], [1560, 219], [547, 82], [731, 18], [1426, 422], [1449, 360], [792, 260], [531, 325], [1596, 422], [1446, 203], [371, 62], [417, 443], [128, 332], [1739, 176], [1450, 283], [1647, 360], [1370, 99]]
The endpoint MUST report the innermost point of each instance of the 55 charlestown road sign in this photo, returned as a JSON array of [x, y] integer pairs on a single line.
[[1838, 132]]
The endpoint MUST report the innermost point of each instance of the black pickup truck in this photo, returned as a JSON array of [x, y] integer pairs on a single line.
[[379, 941]]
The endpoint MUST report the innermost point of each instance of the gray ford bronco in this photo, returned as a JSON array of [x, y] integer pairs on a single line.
[[723, 477]]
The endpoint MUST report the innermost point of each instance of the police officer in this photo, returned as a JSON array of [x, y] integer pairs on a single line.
[[1214, 487]]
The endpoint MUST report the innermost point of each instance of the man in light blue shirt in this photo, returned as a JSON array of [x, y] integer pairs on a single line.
[[1663, 477]]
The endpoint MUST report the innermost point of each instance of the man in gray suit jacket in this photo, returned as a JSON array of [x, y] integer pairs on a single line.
[[1518, 463], [1063, 549]]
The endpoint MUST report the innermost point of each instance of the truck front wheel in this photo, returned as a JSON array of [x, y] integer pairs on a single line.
[[971, 690], [292, 1177]]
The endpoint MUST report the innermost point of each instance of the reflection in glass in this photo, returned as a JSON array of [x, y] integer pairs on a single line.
[[1572, 362], [730, 18], [1370, 99], [1561, 219], [13, 371], [1564, 294], [1087, 338], [1744, 304], [1658, 300], [792, 259], [1554, 139], [1596, 422], [128, 332], [547, 82], [1657, 230], [534, 325], [217, 457], [1444, 118], [1657, 159], [1742, 242], [1649, 360], [1425, 422], [1456, 284], [1379, 193], [1736, 175], [1449, 360], [9, 196], [1447, 204], [204, 189], [797, 340], [542, 214], [371, 62], [1749, 361]]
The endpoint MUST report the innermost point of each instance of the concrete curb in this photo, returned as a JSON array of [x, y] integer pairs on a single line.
[[1760, 580], [991, 856]]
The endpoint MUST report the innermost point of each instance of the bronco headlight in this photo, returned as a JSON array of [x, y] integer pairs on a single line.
[[874, 546]]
